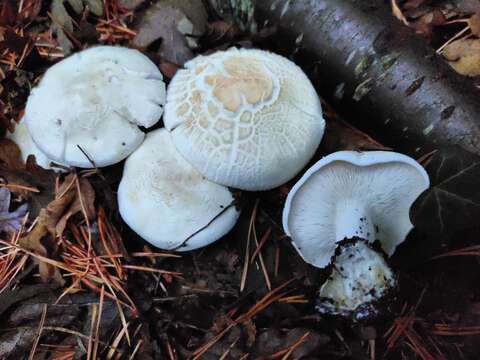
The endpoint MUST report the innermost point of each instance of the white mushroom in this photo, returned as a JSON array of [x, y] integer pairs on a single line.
[[360, 277], [27, 147], [248, 119], [92, 103], [349, 194], [167, 202]]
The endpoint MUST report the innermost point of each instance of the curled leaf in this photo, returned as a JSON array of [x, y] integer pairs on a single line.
[[70, 200]]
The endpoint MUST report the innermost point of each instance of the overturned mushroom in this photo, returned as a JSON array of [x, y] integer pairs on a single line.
[[249, 119], [27, 147], [360, 277], [348, 194], [167, 202], [87, 109]]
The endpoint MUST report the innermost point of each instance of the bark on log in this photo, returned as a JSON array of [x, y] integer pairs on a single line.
[[387, 80]]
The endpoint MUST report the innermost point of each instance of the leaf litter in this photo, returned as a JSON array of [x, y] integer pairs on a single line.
[[75, 281]]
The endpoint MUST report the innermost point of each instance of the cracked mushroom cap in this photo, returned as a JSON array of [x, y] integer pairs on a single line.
[[167, 202], [248, 119], [95, 100], [348, 194]]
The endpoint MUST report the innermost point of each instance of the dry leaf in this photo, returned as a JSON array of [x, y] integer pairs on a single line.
[[176, 24], [30, 175], [168, 69], [397, 12], [425, 24], [10, 155], [474, 24], [62, 23], [413, 4], [52, 221], [464, 56]]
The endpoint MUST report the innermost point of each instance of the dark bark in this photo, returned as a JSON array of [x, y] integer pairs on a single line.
[[387, 80]]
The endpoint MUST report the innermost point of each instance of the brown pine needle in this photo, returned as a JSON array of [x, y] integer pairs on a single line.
[[20, 187], [39, 332], [137, 347], [225, 354], [113, 349], [453, 330], [263, 240], [452, 39], [116, 342], [93, 323], [97, 325], [247, 247], [467, 251], [262, 263], [277, 261]]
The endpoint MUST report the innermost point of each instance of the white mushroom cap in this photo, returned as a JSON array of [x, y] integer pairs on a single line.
[[95, 99], [248, 119], [347, 194], [27, 147], [167, 202], [360, 276]]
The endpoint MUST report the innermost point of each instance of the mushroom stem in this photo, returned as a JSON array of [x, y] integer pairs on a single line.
[[353, 219]]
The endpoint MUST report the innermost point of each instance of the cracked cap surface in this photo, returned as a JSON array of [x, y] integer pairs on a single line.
[[248, 119]]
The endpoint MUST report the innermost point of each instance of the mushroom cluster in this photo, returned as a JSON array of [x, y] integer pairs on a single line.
[[352, 194], [246, 119]]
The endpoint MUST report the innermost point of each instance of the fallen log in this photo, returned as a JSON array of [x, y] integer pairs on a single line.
[[378, 74]]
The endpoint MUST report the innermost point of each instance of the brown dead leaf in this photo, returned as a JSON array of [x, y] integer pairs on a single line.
[[30, 9], [52, 220], [175, 25], [8, 13], [425, 24], [413, 4], [464, 56], [474, 24], [10, 155], [168, 69], [397, 12], [223, 31], [29, 175]]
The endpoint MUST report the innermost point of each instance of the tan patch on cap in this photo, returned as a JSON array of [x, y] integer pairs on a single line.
[[245, 79]]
